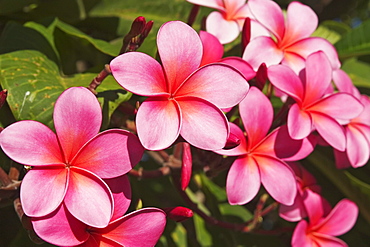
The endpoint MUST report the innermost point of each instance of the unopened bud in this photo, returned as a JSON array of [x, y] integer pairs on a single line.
[[3, 95], [138, 26], [187, 165], [261, 76], [232, 142], [178, 214], [246, 33]]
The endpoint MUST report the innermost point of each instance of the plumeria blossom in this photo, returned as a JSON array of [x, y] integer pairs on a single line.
[[313, 109], [183, 99], [68, 166], [357, 130], [227, 22], [322, 227], [290, 42], [305, 182], [261, 156], [139, 228]]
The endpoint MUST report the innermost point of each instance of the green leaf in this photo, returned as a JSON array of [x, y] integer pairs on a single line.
[[34, 83], [203, 236], [325, 32], [236, 211], [358, 71], [356, 42]]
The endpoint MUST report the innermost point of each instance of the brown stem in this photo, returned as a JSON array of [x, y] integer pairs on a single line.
[[4, 178], [99, 78], [141, 173]]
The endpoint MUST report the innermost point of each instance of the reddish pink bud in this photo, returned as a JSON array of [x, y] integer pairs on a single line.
[[261, 76], [3, 95], [146, 30], [187, 164], [178, 214], [246, 33], [232, 141], [138, 26]]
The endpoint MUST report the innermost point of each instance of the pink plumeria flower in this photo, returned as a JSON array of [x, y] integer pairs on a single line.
[[227, 22], [357, 130], [139, 228], [305, 182], [322, 227], [68, 166], [183, 98], [290, 43], [261, 156], [313, 111]]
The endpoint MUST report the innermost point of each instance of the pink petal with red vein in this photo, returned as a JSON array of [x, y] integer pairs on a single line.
[[225, 30], [294, 61], [43, 190], [216, 4], [241, 148], [77, 118], [212, 48], [262, 50], [299, 123], [165, 121], [284, 78], [297, 25], [256, 112], [218, 83], [358, 149], [340, 220], [88, 198], [60, 228], [31, 143], [140, 228], [243, 180], [110, 154], [269, 14], [240, 65], [307, 46], [300, 237], [121, 191], [180, 50], [339, 105], [318, 76], [273, 171], [330, 130], [203, 125], [233, 6], [139, 73], [327, 241], [314, 206]]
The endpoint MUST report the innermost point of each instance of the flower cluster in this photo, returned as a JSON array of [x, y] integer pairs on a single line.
[[76, 192]]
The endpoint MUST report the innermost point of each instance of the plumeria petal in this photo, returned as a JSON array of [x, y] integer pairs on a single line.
[[300, 238], [139, 228], [256, 112], [77, 118], [294, 61], [216, 4], [358, 150], [211, 82], [241, 65], [269, 14], [241, 148], [318, 76], [212, 48], [43, 190], [243, 180], [121, 191], [262, 50], [299, 123], [225, 30], [233, 6], [314, 206], [88, 198], [273, 171], [340, 220], [330, 130], [297, 26], [327, 240], [110, 154], [341, 159], [203, 125], [60, 228], [283, 78], [165, 121], [31, 143], [180, 50], [344, 83], [339, 105], [294, 212], [139, 73]]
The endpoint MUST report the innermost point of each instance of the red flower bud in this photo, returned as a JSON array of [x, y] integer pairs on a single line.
[[246, 33], [232, 141], [261, 76], [3, 95], [187, 164], [178, 214]]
